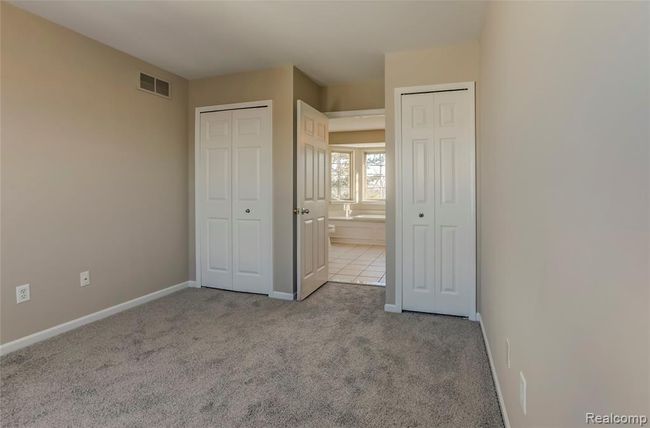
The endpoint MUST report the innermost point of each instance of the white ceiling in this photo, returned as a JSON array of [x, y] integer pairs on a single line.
[[333, 42]]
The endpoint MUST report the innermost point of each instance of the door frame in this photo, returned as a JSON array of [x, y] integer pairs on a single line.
[[470, 87], [198, 184]]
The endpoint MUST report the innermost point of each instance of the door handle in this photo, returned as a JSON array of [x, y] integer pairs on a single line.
[[247, 211], [305, 211]]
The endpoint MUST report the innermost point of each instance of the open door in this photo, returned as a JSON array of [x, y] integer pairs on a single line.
[[312, 187]]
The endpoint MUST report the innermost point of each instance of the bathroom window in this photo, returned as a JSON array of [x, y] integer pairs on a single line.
[[374, 180], [341, 176]]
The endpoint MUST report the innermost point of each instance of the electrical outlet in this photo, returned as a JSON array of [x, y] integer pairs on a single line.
[[22, 293], [522, 392], [507, 352], [84, 278]]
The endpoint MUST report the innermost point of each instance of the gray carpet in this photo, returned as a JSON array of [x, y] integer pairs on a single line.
[[205, 357]]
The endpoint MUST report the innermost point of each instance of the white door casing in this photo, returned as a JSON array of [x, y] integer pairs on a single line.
[[438, 226], [234, 197], [312, 188]]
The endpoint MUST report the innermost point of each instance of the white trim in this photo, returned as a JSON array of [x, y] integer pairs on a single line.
[[87, 319], [376, 145], [356, 113], [392, 308], [356, 120], [198, 209], [497, 385], [193, 284], [470, 87], [397, 166], [353, 190], [357, 170], [282, 296], [233, 106], [362, 166]]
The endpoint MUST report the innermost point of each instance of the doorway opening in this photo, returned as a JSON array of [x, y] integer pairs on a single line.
[[340, 198], [357, 200]]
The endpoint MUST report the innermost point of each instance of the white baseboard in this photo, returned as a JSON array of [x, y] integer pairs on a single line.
[[193, 284], [392, 308], [502, 402], [71, 325], [282, 296]]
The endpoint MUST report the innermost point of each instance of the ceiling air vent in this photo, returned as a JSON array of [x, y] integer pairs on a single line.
[[154, 85]]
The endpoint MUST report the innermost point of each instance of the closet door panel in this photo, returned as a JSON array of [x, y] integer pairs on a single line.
[[252, 193], [215, 199], [455, 245], [218, 257], [249, 247], [418, 166], [248, 174]]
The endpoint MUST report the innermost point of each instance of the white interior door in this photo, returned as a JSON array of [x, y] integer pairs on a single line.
[[438, 211], [234, 195], [312, 182], [215, 191], [252, 200]]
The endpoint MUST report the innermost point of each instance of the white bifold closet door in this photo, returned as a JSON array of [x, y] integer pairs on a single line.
[[236, 231], [438, 209]]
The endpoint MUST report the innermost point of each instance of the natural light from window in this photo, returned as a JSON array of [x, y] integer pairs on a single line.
[[374, 185], [341, 176]]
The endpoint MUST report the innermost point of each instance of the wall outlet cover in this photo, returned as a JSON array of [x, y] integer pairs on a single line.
[[84, 278], [22, 293]]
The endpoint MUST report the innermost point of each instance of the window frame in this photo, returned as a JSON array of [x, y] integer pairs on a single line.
[[353, 192], [364, 183]]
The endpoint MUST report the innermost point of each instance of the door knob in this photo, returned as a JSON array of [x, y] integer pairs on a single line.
[[421, 215], [305, 211], [248, 211]]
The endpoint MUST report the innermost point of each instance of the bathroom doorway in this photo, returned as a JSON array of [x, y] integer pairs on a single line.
[[357, 200]]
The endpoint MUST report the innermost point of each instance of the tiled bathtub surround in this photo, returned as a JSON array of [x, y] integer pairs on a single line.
[[361, 264]]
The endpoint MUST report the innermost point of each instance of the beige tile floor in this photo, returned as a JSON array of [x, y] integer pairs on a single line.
[[360, 264]]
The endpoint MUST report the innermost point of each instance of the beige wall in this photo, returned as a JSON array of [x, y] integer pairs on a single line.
[[362, 95], [445, 64], [564, 177], [94, 176], [276, 85], [305, 89], [358, 137]]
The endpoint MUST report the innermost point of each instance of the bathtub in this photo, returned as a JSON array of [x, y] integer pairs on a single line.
[[377, 218], [369, 229]]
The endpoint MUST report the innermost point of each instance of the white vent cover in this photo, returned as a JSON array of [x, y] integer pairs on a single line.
[[155, 85]]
